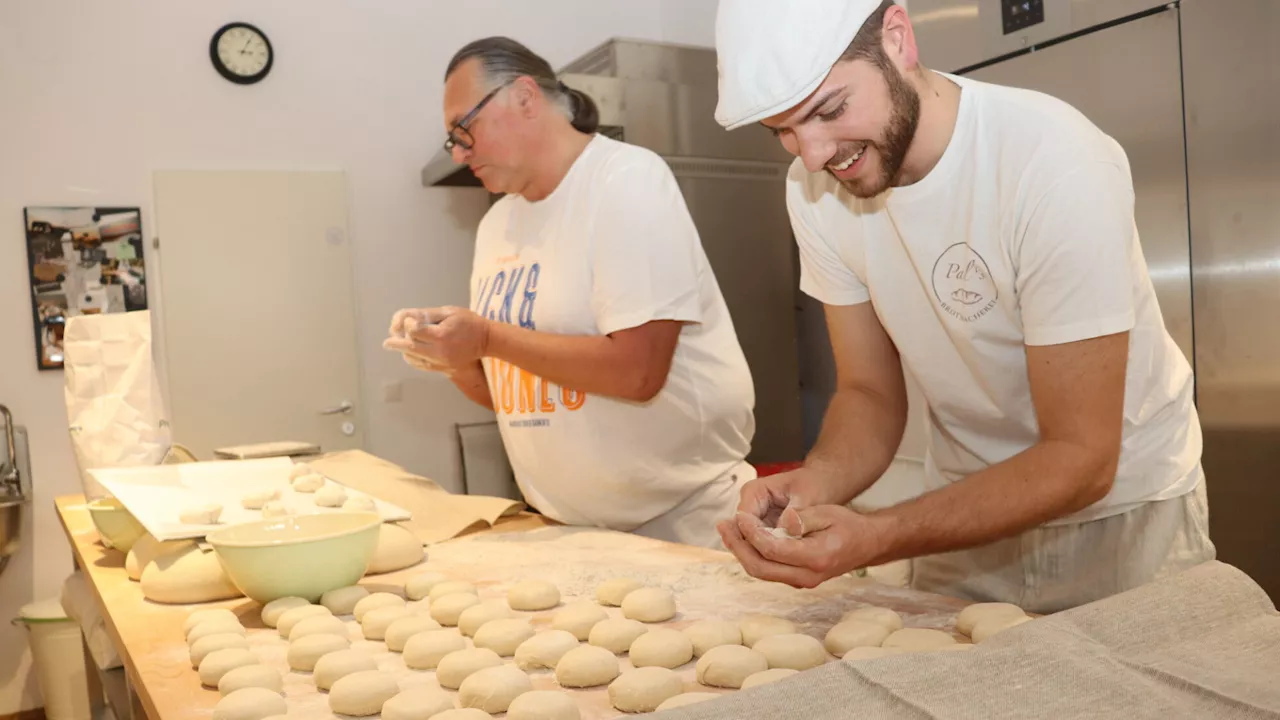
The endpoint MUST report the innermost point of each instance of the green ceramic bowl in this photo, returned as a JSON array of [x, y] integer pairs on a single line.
[[301, 555], [117, 526]]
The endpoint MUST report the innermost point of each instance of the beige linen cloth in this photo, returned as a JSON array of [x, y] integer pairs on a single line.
[[1204, 643]]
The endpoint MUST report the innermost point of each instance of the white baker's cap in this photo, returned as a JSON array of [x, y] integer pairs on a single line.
[[773, 53]]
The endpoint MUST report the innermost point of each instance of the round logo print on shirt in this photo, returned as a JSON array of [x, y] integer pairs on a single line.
[[962, 283]]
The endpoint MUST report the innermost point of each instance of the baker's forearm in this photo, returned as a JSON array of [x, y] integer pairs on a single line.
[[1047, 481], [592, 364], [471, 380], [860, 434]]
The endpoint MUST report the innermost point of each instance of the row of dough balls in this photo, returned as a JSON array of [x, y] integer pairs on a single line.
[[303, 480]]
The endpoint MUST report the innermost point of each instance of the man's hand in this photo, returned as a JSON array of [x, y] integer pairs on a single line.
[[765, 498], [449, 336], [810, 545]]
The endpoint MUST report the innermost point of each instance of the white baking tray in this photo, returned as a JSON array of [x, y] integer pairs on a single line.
[[157, 494]]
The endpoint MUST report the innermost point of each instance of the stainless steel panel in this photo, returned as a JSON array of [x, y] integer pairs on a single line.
[[1231, 61], [1126, 79], [741, 215]]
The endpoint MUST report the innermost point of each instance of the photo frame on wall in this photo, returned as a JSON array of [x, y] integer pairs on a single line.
[[81, 261]]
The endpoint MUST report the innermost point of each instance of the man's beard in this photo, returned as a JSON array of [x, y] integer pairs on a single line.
[[898, 134]]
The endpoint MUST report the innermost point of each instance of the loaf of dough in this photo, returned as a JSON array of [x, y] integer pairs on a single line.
[[144, 550], [448, 609], [854, 633], [644, 689], [306, 651], [206, 514], [424, 651], [476, 616], [252, 703], [504, 636], [256, 499], [587, 666], [613, 591], [493, 689], [420, 585], [216, 626], [293, 616], [362, 694], [318, 625], [706, 634], [991, 626], [342, 601], [543, 705], [616, 634], [457, 666], [209, 643], [361, 503], [298, 470], [376, 621], [331, 496], [417, 703], [187, 574], [651, 605], [791, 650], [755, 627], [272, 611], [375, 601], [399, 632], [533, 595], [728, 665], [579, 618], [247, 676], [544, 650], [200, 616], [220, 662], [275, 508], [915, 639], [879, 615], [450, 587], [688, 698], [969, 617], [661, 647], [336, 665], [308, 483], [765, 677]]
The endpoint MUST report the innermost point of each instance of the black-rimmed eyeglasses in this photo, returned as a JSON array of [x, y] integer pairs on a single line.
[[459, 135]]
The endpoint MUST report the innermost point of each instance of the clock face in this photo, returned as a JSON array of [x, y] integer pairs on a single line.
[[241, 53]]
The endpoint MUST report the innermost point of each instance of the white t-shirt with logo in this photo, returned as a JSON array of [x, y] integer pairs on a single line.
[[1022, 234], [612, 248]]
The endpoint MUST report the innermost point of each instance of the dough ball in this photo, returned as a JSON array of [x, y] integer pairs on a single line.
[[689, 698], [318, 625], [397, 549], [476, 616], [399, 632], [201, 648], [419, 586], [272, 611], [879, 615], [206, 514], [544, 650], [504, 636], [868, 653], [256, 499], [331, 496], [450, 587], [332, 667], [991, 626], [791, 650], [969, 617], [252, 703], [360, 503], [457, 666], [219, 626], [587, 666], [298, 470], [376, 621], [306, 651], [706, 634], [144, 550], [533, 595], [651, 605], [363, 693], [661, 647], [200, 616], [424, 651], [728, 665], [854, 633], [417, 704], [463, 714], [293, 616], [375, 601], [644, 689], [275, 508], [342, 601], [493, 689], [616, 634], [308, 483], [579, 618], [448, 609], [767, 676], [914, 639], [543, 705], [220, 662], [612, 592], [259, 676], [756, 627], [183, 573]]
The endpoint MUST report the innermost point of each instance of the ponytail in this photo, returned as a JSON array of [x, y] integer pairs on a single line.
[[504, 60]]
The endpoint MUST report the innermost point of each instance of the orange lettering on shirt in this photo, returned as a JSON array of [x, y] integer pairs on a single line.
[[572, 399], [544, 401], [527, 380], [507, 384]]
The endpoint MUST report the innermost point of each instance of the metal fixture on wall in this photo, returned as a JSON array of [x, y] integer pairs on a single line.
[[14, 466]]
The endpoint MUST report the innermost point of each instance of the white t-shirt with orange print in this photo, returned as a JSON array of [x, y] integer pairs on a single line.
[[612, 248]]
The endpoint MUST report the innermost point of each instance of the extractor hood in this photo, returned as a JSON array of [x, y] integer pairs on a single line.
[[655, 95]]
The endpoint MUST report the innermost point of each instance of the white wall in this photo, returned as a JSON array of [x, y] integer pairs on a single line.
[[96, 96]]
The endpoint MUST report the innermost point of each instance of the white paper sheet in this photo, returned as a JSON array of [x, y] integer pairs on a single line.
[[156, 495]]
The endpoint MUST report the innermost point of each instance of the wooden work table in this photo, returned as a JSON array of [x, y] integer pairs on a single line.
[[149, 636]]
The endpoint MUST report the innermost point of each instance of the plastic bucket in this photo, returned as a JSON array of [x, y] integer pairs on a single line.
[[58, 652]]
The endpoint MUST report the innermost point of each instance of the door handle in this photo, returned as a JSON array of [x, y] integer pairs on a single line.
[[342, 409]]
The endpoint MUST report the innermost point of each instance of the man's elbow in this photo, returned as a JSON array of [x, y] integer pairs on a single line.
[[1098, 476], [645, 384]]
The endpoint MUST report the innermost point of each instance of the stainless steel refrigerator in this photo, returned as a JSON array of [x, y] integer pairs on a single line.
[[1189, 89]]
